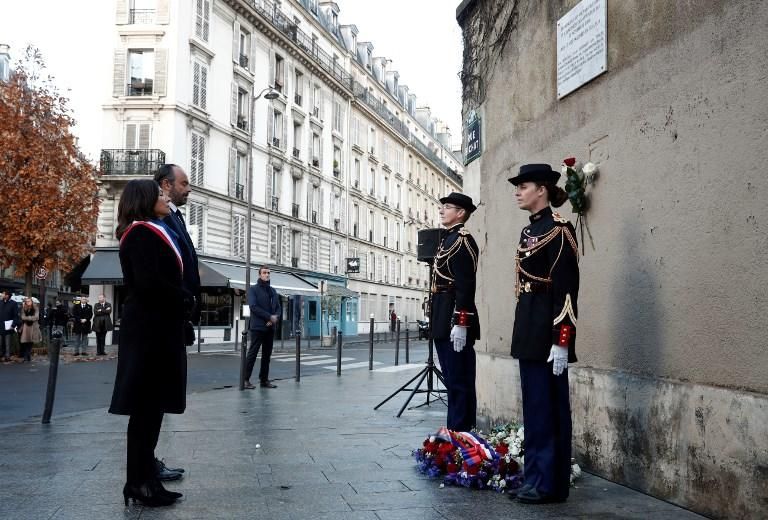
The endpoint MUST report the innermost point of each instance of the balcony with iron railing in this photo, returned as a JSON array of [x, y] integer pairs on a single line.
[[131, 162], [285, 25], [141, 16], [244, 61], [139, 88], [295, 210], [242, 123], [276, 142]]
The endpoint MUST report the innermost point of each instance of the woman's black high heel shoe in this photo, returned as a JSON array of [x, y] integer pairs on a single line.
[[148, 494]]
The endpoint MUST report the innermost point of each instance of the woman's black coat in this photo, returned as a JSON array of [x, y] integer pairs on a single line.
[[152, 358]]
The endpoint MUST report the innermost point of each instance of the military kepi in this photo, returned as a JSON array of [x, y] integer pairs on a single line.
[[460, 200], [535, 173]]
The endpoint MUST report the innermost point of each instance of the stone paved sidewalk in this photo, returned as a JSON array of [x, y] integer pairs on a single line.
[[309, 450]]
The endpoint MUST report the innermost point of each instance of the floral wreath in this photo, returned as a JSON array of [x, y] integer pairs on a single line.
[[578, 177]]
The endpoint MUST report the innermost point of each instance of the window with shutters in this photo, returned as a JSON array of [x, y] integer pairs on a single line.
[[277, 129], [202, 19], [338, 116], [241, 171], [355, 220], [197, 161], [295, 247], [273, 188], [244, 48], [199, 85], [373, 141], [298, 88], [356, 174], [314, 252], [279, 79], [337, 163], [335, 255], [138, 136], [316, 150], [385, 229], [371, 227], [196, 224], [296, 140], [142, 12], [242, 109], [238, 236], [141, 72], [317, 101], [371, 266], [372, 182]]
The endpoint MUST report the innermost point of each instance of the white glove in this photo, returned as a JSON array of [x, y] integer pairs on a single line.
[[458, 337], [560, 357]]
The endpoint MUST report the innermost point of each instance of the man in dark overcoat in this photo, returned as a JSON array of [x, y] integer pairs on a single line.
[[264, 304], [102, 323], [82, 312], [454, 324], [10, 318]]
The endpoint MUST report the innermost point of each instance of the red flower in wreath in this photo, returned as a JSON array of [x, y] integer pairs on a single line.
[[502, 448], [452, 467], [570, 161]]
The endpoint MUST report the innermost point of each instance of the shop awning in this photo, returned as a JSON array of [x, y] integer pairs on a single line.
[[210, 277], [286, 284], [104, 269], [338, 290]]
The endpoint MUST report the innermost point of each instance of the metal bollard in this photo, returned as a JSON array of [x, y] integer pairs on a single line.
[[397, 343], [370, 347], [198, 338], [298, 356], [53, 370], [237, 327], [338, 355], [243, 349], [407, 341]]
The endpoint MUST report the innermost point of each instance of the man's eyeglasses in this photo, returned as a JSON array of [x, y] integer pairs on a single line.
[[450, 206]]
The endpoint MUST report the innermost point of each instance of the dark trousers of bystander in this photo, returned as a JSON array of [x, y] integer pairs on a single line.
[[100, 343], [260, 338], [547, 421]]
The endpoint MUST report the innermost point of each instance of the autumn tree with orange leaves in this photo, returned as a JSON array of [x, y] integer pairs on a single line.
[[48, 190]]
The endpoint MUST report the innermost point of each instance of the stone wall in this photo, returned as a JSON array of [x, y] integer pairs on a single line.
[[670, 392]]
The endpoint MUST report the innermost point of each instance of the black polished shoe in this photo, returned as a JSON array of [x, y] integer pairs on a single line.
[[148, 494], [513, 493], [267, 384], [160, 465], [532, 496]]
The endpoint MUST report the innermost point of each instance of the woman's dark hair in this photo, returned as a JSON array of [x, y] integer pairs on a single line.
[[136, 203], [556, 195]]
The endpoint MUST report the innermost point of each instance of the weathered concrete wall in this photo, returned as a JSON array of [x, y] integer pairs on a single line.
[[673, 297]]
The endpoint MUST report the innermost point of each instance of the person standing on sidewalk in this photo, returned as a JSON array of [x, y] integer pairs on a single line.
[[9, 320], [174, 182], [151, 377], [102, 323], [544, 334], [454, 324], [82, 312], [30, 328], [264, 304]]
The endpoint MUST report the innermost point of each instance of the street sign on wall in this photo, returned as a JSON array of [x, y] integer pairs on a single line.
[[473, 144], [353, 265]]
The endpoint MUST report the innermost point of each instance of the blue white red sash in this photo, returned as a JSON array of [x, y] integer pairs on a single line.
[[159, 231]]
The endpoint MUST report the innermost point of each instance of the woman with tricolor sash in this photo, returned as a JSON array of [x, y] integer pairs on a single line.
[[152, 363]]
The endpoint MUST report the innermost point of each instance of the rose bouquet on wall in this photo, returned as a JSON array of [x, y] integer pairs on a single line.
[[577, 178]]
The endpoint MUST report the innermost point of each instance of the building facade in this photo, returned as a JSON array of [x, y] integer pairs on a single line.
[[343, 163], [670, 394]]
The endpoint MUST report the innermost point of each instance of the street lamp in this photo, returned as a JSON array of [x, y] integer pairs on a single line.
[[268, 93]]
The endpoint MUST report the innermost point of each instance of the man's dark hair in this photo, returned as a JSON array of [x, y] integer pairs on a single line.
[[166, 172], [263, 267], [136, 203]]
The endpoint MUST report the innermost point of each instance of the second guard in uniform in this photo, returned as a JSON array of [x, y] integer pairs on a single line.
[[454, 323], [544, 335]]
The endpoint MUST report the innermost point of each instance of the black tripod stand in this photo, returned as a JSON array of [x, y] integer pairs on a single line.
[[429, 373]]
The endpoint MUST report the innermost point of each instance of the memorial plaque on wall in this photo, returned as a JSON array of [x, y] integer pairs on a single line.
[[582, 45]]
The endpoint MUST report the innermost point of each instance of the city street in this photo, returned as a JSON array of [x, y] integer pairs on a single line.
[[86, 385]]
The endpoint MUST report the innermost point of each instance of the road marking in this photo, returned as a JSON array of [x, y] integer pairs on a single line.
[[325, 361], [353, 365], [400, 368], [293, 358]]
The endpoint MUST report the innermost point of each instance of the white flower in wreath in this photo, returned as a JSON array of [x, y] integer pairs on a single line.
[[501, 435], [514, 450], [502, 483], [521, 433]]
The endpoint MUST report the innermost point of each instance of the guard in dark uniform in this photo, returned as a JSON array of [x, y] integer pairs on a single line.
[[544, 336], [453, 317]]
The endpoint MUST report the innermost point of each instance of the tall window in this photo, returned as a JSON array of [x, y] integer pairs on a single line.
[[138, 136], [372, 181], [371, 228], [238, 235], [316, 101], [299, 87], [338, 115], [277, 129], [242, 109], [200, 85], [241, 170], [373, 141], [244, 48], [141, 72], [355, 220], [142, 11], [315, 150], [202, 19], [337, 162], [356, 174], [356, 131], [296, 140], [195, 224], [279, 69], [197, 163]]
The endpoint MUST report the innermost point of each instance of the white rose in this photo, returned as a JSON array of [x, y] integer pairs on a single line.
[[589, 168]]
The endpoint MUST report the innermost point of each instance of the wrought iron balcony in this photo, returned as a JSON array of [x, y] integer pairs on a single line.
[[244, 61], [276, 142], [239, 191], [142, 16], [242, 123], [131, 162]]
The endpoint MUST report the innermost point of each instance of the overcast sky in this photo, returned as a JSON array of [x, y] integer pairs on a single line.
[[421, 37]]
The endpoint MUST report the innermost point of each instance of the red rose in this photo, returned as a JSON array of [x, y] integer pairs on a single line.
[[502, 449], [570, 161]]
